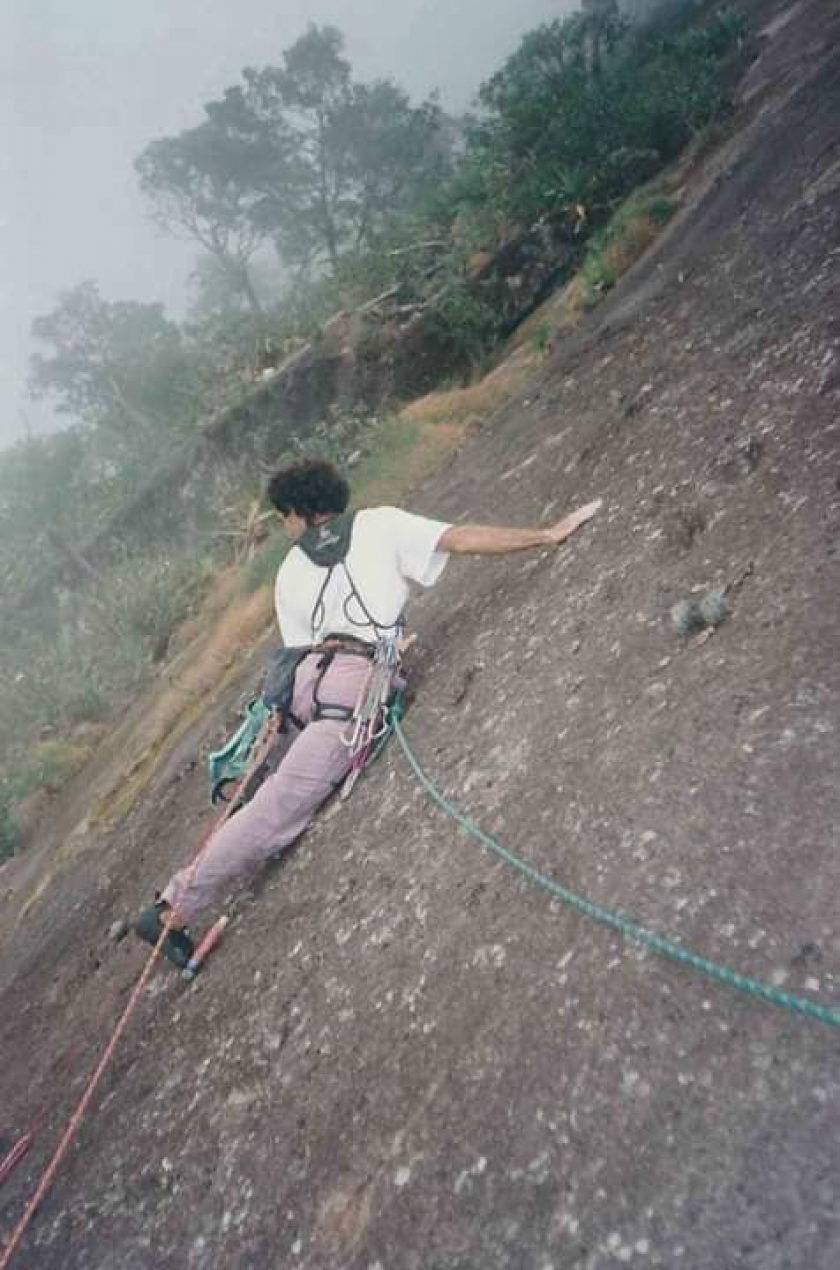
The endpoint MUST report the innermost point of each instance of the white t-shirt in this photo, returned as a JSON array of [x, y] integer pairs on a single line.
[[389, 548]]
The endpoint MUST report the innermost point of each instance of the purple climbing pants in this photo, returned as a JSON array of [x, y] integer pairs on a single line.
[[284, 805]]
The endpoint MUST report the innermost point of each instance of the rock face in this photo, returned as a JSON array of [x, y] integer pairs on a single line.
[[403, 1056]]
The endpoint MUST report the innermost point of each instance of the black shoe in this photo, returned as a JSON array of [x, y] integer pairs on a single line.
[[177, 947]]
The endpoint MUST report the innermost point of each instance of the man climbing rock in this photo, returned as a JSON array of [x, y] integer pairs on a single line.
[[339, 592]]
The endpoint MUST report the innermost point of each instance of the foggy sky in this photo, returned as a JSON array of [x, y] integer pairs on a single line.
[[86, 84]]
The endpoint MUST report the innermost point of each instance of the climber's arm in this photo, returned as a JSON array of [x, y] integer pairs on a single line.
[[499, 540]]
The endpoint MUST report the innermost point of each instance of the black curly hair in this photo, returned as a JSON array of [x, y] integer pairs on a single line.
[[309, 487]]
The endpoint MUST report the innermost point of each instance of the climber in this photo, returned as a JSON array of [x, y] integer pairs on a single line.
[[340, 590]]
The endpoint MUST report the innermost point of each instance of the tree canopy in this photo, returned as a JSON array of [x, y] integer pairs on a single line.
[[298, 153]]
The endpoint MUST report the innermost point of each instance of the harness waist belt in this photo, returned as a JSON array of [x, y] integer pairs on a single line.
[[346, 644]]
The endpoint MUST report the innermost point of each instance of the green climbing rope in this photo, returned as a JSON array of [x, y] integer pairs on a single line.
[[615, 921]]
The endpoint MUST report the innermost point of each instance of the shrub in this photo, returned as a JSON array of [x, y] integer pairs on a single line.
[[129, 616], [468, 327], [598, 273], [541, 339], [99, 647], [45, 765]]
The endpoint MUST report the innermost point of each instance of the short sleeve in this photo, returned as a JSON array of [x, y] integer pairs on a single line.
[[415, 540]]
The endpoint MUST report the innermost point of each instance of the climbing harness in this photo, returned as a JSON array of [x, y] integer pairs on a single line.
[[267, 717], [279, 684], [616, 921]]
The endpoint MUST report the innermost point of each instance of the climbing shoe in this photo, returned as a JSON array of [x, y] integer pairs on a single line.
[[177, 947]]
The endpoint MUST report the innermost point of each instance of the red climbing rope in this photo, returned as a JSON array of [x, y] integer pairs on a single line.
[[16, 1154], [20, 1149]]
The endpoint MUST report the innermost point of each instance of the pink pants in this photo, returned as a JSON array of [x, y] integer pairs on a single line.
[[284, 805]]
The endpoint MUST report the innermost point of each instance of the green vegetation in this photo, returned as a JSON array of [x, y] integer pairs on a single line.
[[585, 110], [298, 154], [307, 192], [540, 339], [9, 833], [615, 247], [387, 447], [47, 765], [94, 652], [468, 325]]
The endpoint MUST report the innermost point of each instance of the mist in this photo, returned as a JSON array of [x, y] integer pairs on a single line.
[[86, 87]]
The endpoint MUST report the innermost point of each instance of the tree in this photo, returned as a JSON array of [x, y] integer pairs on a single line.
[[197, 187], [297, 153], [229, 335], [356, 154], [302, 101], [553, 117], [49, 485], [121, 368], [393, 153], [587, 107]]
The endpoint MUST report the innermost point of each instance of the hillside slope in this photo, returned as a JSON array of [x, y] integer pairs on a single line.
[[407, 1059]]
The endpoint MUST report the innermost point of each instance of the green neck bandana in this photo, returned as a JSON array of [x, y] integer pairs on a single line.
[[327, 544]]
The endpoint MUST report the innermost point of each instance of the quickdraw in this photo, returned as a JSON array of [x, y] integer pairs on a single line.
[[370, 724]]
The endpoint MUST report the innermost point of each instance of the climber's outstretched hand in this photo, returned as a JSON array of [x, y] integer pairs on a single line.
[[564, 528]]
